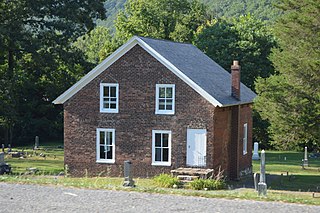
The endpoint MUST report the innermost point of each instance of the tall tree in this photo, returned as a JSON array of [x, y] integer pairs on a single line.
[[96, 44], [290, 100], [246, 39], [37, 61], [167, 19]]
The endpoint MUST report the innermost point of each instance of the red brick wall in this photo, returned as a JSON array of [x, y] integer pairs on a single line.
[[245, 161], [137, 73], [228, 144]]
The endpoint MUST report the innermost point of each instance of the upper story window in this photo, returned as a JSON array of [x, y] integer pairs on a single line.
[[105, 145], [245, 138], [165, 95], [109, 98]]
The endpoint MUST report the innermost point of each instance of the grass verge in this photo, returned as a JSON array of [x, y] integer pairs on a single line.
[[148, 185]]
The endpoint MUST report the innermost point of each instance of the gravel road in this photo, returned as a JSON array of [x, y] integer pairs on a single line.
[[35, 198]]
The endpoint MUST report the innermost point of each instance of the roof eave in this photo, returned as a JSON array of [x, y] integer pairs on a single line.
[[120, 52]]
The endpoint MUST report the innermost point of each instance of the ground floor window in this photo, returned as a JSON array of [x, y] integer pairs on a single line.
[[105, 145], [161, 147]]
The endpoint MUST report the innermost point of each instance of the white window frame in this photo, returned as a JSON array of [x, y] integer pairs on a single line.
[[108, 110], [161, 163], [245, 138], [99, 160], [165, 112]]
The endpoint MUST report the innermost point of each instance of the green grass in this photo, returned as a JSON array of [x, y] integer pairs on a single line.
[[148, 185], [299, 179], [51, 164], [280, 188]]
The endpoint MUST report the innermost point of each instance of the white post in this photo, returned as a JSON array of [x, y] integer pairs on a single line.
[[305, 160], [255, 155], [262, 186]]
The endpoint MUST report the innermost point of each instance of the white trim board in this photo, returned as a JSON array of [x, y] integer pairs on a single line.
[[120, 52]]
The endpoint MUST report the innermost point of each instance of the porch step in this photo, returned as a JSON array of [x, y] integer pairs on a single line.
[[187, 178], [200, 173]]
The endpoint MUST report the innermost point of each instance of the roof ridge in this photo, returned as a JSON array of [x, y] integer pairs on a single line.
[[165, 40]]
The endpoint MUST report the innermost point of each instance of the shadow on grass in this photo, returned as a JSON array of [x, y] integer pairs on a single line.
[[299, 183]]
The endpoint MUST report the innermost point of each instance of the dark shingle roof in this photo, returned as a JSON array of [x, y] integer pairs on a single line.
[[201, 69]]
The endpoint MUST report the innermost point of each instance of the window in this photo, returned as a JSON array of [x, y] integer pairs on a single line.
[[245, 138], [105, 145], [161, 148], [165, 99], [109, 100]]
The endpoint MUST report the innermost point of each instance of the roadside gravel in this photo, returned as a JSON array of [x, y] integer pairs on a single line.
[[36, 198]]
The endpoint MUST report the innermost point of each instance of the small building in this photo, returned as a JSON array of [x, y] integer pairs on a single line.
[[161, 105]]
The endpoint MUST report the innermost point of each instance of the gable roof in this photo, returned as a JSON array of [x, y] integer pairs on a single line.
[[186, 61]]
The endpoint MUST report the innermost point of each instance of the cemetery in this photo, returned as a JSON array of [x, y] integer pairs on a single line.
[[287, 177]]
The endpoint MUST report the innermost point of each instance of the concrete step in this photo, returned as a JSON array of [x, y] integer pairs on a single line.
[[187, 178]]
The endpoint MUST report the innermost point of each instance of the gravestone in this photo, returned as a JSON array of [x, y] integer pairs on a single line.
[[305, 160], [262, 186], [2, 158], [9, 147], [128, 181], [36, 142], [2, 147], [255, 155]]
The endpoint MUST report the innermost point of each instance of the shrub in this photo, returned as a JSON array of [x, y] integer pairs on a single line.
[[210, 184], [167, 181]]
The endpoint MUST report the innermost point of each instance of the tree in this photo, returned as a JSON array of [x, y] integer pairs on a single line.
[[37, 61], [96, 44], [290, 99], [166, 19], [245, 39]]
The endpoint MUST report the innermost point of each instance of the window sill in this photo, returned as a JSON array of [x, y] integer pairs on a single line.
[[161, 164], [106, 161], [164, 112], [108, 111]]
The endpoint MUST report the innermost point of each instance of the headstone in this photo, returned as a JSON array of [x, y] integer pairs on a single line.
[[128, 181], [255, 155], [36, 142], [2, 158], [262, 186], [9, 147], [256, 181], [305, 160], [2, 147]]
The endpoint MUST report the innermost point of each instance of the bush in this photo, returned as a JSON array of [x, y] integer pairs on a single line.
[[210, 184], [167, 181]]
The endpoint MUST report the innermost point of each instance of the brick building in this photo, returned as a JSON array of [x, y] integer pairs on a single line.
[[161, 105]]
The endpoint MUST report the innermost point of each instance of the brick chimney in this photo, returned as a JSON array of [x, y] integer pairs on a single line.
[[235, 80]]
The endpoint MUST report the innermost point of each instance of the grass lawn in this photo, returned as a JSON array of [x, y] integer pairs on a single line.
[[298, 179], [297, 187], [48, 159]]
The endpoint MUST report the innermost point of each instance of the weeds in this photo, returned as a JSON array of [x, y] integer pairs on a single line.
[[167, 181]]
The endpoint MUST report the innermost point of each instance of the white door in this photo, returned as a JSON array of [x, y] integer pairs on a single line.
[[196, 147]]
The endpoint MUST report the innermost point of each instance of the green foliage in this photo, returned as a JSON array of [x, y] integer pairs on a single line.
[[262, 9], [37, 63], [245, 39], [97, 44], [166, 19], [167, 181], [209, 184], [290, 100]]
